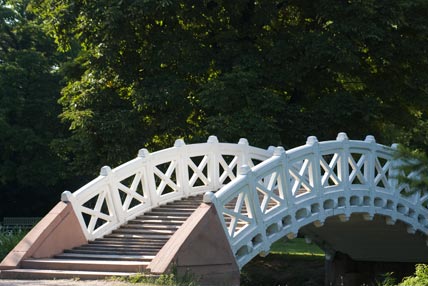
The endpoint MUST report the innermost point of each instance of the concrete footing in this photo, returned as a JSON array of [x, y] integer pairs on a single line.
[[342, 270], [58, 230], [199, 249]]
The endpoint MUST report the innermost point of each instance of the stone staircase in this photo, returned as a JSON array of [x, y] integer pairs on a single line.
[[124, 252]]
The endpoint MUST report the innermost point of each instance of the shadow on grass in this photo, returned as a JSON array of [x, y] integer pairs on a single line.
[[291, 263], [284, 269]]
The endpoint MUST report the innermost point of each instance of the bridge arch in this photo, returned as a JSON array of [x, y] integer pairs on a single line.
[[152, 179], [256, 196], [309, 184]]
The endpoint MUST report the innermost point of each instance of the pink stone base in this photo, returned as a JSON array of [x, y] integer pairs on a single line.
[[199, 248], [57, 231]]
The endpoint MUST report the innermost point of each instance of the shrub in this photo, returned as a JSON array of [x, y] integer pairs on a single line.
[[8, 240], [419, 279]]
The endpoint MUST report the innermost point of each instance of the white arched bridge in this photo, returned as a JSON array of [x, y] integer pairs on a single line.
[[210, 208]]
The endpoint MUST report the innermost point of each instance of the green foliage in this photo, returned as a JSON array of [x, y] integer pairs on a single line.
[[297, 246], [413, 165], [30, 170], [170, 279], [8, 240], [386, 279], [275, 72], [419, 279]]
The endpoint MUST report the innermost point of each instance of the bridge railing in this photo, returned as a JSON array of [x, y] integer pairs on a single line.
[[308, 184], [153, 179]]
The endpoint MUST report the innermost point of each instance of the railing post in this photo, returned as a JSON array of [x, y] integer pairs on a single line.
[[149, 176], [255, 205], [244, 159], [213, 167], [343, 171], [370, 170], [113, 194], [68, 197], [314, 168], [182, 170], [342, 164]]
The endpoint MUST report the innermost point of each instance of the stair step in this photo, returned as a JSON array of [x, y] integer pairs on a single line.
[[58, 274], [112, 251], [122, 246], [163, 216], [157, 221], [150, 226], [174, 208], [126, 242], [181, 207], [167, 214], [105, 257], [85, 265], [143, 231], [119, 248], [139, 236], [185, 203]]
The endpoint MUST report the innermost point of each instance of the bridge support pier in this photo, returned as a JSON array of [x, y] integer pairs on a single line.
[[342, 270], [199, 249]]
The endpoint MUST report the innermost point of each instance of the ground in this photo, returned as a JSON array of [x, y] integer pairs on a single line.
[[62, 282]]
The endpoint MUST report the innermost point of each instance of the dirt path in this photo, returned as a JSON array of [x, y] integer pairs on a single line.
[[62, 282]]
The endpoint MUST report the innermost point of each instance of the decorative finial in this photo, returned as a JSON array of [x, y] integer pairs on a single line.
[[212, 139], [370, 139], [278, 151], [143, 153], [208, 197], [342, 136], [244, 169], [243, 141], [179, 143], [105, 171], [311, 140]]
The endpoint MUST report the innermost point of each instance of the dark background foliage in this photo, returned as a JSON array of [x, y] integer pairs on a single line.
[[88, 83]]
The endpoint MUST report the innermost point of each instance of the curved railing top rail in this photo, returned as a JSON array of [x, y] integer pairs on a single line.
[[151, 179], [309, 183]]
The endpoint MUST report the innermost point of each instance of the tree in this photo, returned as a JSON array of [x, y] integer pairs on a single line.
[[272, 71], [30, 171]]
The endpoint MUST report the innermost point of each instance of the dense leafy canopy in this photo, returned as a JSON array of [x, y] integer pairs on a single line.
[[30, 171], [146, 72]]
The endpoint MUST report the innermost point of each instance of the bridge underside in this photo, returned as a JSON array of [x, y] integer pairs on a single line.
[[369, 240]]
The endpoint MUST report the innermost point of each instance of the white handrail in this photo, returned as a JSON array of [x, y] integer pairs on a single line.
[[308, 184], [153, 179]]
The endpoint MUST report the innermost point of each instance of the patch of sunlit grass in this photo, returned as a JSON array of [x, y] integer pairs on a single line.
[[296, 246]]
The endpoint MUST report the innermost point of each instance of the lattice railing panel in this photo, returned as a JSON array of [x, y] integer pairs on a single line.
[[157, 178], [300, 173], [132, 193], [357, 168], [238, 213], [381, 175], [228, 166], [198, 171], [309, 183], [270, 191], [330, 176], [98, 211], [166, 178]]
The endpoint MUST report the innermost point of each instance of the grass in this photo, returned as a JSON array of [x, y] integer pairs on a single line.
[[170, 279], [290, 262], [296, 246], [8, 240]]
